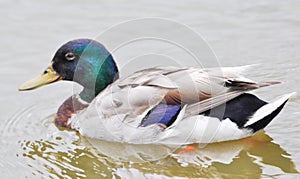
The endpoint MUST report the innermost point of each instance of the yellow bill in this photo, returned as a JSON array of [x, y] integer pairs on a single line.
[[49, 76]]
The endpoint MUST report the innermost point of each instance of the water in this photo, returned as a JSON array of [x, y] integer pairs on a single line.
[[260, 32]]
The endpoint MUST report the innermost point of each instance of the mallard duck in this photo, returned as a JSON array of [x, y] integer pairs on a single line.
[[166, 105]]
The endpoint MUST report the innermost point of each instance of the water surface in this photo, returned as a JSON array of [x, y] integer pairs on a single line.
[[240, 33]]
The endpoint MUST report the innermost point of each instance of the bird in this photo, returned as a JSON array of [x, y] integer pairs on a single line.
[[158, 105]]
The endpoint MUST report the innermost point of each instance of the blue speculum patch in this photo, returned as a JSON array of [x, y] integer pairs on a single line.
[[162, 113]]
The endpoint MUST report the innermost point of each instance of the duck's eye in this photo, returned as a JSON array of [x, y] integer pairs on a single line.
[[70, 56]]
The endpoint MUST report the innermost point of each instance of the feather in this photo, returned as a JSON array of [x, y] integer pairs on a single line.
[[215, 101]]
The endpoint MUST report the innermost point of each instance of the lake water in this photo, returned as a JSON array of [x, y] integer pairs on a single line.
[[240, 33]]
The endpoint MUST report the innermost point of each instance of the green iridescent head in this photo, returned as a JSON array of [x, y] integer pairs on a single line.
[[84, 61]]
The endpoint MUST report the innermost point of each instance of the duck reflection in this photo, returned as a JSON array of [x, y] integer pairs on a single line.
[[252, 157]]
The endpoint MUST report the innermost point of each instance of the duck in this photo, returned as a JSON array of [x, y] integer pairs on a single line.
[[158, 105]]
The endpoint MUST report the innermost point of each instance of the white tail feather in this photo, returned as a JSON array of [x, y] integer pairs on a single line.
[[268, 109]]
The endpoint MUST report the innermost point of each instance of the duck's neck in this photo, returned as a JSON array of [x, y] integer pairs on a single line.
[[94, 76], [101, 75]]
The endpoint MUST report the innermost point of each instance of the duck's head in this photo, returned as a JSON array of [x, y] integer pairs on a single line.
[[84, 61]]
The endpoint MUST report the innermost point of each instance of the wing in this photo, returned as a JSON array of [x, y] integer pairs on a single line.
[[201, 89]]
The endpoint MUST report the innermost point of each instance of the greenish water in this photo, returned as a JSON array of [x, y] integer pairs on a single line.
[[240, 33]]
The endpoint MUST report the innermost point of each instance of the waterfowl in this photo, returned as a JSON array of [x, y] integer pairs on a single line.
[[166, 105]]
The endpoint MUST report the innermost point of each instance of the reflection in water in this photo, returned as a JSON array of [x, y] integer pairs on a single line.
[[47, 160], [82, 157], [60, 156]]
